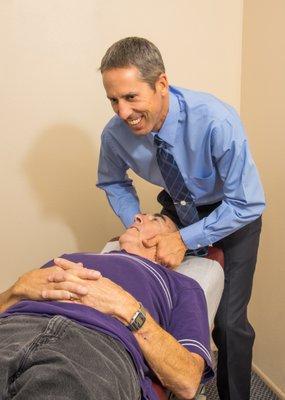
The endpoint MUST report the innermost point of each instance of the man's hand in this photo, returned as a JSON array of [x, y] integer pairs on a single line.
[[170, 249], [103, 294], [34, 284], [66, 286]]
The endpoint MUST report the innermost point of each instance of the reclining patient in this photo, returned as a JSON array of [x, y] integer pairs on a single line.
[[99, 326]]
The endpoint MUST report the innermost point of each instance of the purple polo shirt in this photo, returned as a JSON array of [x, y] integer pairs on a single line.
[[175, 301]]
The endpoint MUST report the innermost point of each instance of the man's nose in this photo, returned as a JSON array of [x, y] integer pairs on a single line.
[[139, 218], [123, 110]]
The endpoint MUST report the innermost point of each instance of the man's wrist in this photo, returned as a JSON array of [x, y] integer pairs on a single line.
[[8, 298], [138, 319], [183, 244], [126, 309], [16, 291]]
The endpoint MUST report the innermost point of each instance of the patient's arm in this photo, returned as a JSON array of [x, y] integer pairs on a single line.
[[28, 286], [178, 369], [33, 284]]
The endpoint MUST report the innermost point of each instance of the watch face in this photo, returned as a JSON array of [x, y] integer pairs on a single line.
[[138, 320]]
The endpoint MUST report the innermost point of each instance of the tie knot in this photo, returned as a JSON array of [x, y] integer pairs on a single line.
[[159, 142]]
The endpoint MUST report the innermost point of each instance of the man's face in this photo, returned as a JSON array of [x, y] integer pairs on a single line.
[[146, 226], [142, 108]]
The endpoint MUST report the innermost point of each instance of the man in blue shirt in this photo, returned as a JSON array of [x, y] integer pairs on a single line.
[[206, 138]]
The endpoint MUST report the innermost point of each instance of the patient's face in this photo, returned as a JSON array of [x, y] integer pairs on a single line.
[[146, 226]]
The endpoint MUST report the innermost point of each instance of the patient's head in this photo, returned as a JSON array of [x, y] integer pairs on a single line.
[[145, 226]]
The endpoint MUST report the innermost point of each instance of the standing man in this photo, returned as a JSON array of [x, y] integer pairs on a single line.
[[194, 146]]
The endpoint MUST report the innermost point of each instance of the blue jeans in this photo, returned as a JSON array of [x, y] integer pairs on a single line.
[[55, 358]]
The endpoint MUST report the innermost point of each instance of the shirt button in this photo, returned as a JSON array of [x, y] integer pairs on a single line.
[[183, 202]]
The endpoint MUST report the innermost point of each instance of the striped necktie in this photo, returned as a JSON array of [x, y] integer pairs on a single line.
[[180, 194]]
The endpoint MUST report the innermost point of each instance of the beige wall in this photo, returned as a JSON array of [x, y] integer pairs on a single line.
[[263, 111], [53, 109]]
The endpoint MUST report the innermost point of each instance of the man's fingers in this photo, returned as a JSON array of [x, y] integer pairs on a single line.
[[66, 264], [168, 261], [52, 294], [72, 287], [86, 273], [59, 276], [81, 273]]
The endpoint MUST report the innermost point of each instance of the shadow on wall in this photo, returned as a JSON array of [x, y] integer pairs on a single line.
[[61, 168]]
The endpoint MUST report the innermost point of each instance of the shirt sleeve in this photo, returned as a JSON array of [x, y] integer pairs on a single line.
[[243, 197], [113, 179], [189, 325]]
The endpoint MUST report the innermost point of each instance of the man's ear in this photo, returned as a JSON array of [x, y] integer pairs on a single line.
[[162, 84]]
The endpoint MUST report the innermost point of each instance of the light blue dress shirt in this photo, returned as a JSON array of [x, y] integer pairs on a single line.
[[209, 145]]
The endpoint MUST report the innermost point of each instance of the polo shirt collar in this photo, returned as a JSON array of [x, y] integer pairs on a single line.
[[169, 127]]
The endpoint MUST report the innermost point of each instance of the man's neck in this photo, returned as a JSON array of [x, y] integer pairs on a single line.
[[140, 251]]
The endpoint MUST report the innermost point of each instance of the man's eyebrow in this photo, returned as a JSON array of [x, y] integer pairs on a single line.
[[123, 96], [160, 216]]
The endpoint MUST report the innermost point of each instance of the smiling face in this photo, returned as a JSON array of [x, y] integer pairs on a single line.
[[145, 227], [142, 108]]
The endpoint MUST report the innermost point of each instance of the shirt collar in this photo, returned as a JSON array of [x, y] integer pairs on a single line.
[[169, 127]]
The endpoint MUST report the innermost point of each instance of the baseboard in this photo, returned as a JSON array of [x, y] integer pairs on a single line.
[[269, 382]]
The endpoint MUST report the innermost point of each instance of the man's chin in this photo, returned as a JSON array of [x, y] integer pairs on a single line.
[[139, 130]]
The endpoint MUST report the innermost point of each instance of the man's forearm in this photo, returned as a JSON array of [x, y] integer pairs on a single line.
[[8, 299], [178, 370]]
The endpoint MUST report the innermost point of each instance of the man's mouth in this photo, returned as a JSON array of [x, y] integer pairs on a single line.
[[134, 227], [134, 122]]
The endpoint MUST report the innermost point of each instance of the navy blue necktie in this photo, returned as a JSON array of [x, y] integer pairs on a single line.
[[180, 194]]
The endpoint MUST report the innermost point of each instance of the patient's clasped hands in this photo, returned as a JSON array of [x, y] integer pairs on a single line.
[[63, 281], [90, 288], [69, 281]]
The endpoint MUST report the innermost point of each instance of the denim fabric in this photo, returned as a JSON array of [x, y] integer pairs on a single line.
[[55, 358]]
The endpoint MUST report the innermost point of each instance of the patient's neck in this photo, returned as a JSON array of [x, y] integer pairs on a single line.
[[139, 250]]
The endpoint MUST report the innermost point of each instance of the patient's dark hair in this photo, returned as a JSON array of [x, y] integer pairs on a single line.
[[137, 52]]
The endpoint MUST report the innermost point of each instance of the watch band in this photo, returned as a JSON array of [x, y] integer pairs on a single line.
[[138, 319]]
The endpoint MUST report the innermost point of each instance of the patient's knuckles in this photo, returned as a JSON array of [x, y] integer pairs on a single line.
[[57, 277]]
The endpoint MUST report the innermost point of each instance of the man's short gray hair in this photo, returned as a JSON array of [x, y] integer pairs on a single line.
[[137, 52]]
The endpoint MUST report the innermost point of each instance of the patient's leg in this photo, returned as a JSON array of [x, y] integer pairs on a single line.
[[52, 358]]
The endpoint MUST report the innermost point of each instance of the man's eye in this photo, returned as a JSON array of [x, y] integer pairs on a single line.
[[131, 97], [113, 101]]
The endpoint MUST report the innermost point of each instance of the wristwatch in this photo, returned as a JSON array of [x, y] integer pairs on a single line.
[[138, 319]]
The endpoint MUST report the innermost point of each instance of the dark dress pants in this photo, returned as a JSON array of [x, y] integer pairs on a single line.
[[232, 334]]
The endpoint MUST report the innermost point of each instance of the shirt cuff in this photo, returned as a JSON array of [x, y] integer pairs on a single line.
[[193, 236]]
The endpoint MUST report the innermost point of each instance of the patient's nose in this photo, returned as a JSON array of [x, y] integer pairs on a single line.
[[139, 218]]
